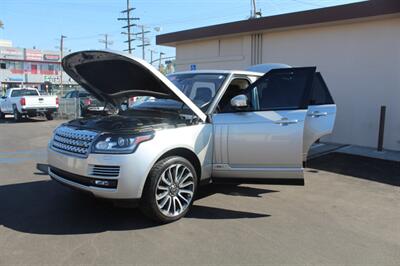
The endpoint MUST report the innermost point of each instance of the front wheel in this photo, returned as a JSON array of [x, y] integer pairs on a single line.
[[169, 190]]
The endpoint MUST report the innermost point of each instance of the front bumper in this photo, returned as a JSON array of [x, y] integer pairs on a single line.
[[78, 173]]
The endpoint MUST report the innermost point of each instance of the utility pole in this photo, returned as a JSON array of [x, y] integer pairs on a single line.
[[106, 41], [61, 56], [128, 26], [253, 12], [144, 40], [151, 55], [159, 64]]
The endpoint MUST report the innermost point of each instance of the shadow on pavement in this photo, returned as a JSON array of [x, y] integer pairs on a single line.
[[46, 207], [378, 170], [10, 120]]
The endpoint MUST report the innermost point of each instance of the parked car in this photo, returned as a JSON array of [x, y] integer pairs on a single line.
[[27, 102], [191, 128], [87, 103]]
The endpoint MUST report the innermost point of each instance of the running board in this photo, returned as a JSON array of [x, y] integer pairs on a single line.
[[269, 181]]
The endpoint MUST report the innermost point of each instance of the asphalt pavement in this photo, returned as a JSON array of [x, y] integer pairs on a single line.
[[347, 213]]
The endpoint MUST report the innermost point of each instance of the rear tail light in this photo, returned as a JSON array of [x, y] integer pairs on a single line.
[[87, 101], [57, 101], [22, 101]]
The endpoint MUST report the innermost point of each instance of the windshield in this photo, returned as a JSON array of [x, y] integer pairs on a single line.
[[199, 87]]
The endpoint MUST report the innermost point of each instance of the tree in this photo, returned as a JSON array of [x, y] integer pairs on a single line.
[[1, 25]]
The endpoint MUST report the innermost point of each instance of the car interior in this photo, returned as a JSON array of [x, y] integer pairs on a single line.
[[236, 87]]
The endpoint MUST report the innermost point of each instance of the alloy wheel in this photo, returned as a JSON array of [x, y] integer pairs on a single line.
[[175, 190]]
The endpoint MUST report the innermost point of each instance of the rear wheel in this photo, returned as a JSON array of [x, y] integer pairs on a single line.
[[169, 190], [17, 115], [49, 116]]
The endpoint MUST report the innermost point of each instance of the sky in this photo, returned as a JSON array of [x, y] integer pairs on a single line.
[[39, 23]]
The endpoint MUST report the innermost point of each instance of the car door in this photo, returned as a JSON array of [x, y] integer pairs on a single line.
[[321, 114], [263, 143]]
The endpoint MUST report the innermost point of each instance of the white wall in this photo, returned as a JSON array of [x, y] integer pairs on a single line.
[[361, 65], [226, 53], [360, 62]]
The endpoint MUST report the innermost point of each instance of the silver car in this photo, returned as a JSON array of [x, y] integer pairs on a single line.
[[189, 128]]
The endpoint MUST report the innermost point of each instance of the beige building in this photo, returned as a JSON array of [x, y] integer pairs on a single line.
[[356, 47]]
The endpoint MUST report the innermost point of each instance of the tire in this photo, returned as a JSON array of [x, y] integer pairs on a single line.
[[17, 115], [174, 199], [2, 115], [49, 116]]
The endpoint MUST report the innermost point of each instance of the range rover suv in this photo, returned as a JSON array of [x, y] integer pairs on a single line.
[[188, 129]]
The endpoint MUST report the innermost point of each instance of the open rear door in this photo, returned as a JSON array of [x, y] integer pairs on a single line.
[[321, 114]]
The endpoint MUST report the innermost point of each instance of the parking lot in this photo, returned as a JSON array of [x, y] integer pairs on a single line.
[[347, 213]]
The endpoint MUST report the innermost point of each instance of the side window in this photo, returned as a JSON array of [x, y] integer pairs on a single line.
[[320, 94], [281, 89], [236, 87]]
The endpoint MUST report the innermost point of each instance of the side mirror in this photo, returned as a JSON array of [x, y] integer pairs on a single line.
[[240, 101]]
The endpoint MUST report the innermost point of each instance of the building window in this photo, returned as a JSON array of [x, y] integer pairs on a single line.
[[16, 65]]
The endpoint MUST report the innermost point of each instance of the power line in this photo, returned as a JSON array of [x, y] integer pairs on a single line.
[[306, 3]]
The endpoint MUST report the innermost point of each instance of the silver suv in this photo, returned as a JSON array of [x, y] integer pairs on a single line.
[[186, 129]]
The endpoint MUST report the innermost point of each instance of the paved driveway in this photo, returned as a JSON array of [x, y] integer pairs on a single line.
[[345, 214]]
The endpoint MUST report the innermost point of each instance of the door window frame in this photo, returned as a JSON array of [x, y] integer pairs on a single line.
[[303, 104], [213, 106]]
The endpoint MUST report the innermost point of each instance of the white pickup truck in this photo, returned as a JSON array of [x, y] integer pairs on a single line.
[[28, 102]]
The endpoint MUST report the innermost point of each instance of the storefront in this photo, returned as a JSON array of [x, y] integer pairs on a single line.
[[31, 67]]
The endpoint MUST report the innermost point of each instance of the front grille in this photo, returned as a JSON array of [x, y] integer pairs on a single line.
[[75, 141], [104, 170]]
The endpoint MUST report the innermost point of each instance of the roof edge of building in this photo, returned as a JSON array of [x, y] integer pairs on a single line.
[[321, 15]]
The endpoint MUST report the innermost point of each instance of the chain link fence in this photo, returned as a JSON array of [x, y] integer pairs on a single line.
[[69, 108]]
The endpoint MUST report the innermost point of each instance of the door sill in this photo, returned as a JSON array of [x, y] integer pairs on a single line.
[[269, 181]]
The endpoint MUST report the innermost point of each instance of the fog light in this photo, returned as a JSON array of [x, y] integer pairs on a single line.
[[102, 183]]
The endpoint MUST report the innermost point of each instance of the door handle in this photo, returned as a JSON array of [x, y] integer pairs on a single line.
[[284, 122], [317, 114]]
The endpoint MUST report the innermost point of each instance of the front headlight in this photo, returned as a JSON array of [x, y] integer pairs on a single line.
[[118, 143]]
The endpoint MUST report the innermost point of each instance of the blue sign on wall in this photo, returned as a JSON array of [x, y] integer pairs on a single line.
[[193, 67]]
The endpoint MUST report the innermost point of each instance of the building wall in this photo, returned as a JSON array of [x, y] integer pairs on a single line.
[[226, 53], [360, 62]]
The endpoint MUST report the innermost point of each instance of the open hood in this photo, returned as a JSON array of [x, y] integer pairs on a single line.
[[111, 76]]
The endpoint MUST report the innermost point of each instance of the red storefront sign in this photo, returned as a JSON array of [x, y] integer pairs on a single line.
[[51, 57], [11, 53], [33, 55]]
